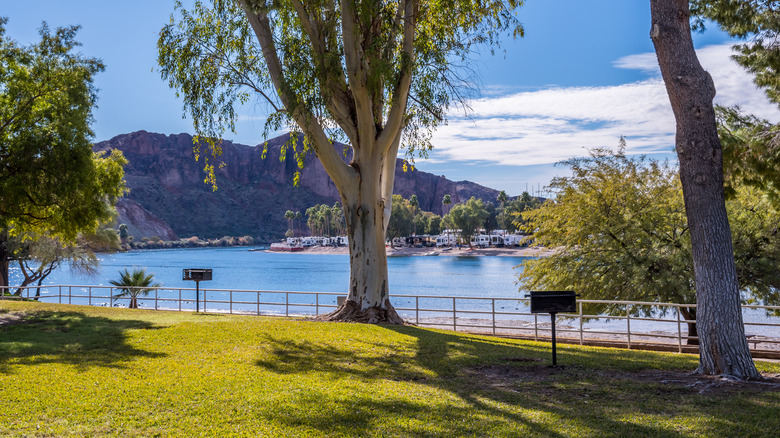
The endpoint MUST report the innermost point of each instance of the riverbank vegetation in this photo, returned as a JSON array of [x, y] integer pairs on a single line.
[[90, 371]]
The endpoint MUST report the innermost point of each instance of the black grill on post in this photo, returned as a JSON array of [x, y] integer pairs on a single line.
[[553, 302], [197, 275]]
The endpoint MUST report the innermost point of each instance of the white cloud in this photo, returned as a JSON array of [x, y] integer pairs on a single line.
[[550, 125]]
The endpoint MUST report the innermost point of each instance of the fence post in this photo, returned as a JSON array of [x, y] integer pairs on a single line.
[[417, 310], [679, 330], [628, 324], [454, 316], [258, 303], [287, 304], [231, 301], [90, 296], [581, 329], [493, 301], [179, 300], [536, 327]]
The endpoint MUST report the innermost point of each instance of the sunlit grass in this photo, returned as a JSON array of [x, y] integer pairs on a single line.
[[90, 371]]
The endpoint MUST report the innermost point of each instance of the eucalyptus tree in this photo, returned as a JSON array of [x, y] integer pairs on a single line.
[[376, 73], [723, 346], [51, 183]]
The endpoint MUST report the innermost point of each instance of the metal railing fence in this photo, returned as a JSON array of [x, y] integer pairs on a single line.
[[656, 324]]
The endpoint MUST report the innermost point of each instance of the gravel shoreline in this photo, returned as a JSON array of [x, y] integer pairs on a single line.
[[534, 251]]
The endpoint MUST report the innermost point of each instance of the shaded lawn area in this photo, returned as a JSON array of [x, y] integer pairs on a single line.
[[91, 371]]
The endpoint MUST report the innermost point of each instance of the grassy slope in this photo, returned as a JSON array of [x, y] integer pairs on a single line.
[[89, 371]]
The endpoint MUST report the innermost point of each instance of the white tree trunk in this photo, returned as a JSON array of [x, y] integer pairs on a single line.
[[369, 298]]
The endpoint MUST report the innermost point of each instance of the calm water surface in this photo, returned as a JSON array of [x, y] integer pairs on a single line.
[[240, 268]]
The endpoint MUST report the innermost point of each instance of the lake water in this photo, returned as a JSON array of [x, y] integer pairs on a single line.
[[239, 268]]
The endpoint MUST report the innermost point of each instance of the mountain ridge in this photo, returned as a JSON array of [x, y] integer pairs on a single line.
[[253, 193]]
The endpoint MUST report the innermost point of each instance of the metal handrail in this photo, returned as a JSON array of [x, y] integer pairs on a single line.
[[456, 314]]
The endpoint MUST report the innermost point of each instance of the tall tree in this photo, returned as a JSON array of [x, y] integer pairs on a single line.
[[50, 181], [447, 201], [723, 347], [373, 72]]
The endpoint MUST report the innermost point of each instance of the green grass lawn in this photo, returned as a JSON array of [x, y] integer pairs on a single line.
[[91, 371]]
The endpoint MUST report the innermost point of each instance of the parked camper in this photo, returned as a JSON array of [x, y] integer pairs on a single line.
[[497, 241], [481, 240], [446, 239], [515, 240]]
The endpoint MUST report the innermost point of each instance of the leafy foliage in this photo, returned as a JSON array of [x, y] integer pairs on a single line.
[[751, 153], [757, 20], [468, 217], [621, 232], [50, 180]]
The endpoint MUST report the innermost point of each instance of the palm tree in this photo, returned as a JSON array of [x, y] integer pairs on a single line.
[[290, 216], [446, 201], [134, 284], [298, 216]]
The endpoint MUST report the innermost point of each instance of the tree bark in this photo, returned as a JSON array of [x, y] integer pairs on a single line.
[[5, 261], [369, 299], [690, 319], [723, 348]]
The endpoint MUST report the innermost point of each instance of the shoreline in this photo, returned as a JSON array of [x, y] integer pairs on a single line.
[[533, 251]]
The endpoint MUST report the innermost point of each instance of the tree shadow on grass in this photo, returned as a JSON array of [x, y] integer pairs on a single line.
[[496, 386], [70, 338]]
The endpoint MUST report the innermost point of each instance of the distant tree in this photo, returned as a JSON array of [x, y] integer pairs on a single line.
[[290, 216], [513, 213], [400, 219], [621, 233], [134, 284], [468, 217], [337, 214], [51, 183], [723, 347], [491, 219], [447, 201], [298, 216], [123, 234], [434, 224], [502, 198], [414, 203]]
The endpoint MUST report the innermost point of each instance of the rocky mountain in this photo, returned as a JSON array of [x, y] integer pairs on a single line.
[[168, 194]]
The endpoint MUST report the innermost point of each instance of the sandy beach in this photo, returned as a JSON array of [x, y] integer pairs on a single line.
[[534, 251]]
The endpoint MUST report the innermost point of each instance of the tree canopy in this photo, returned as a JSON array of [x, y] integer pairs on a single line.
[[49, 179], [621, 233], [51, 183]]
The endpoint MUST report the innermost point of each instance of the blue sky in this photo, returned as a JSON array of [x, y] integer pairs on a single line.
[[583, 75]]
